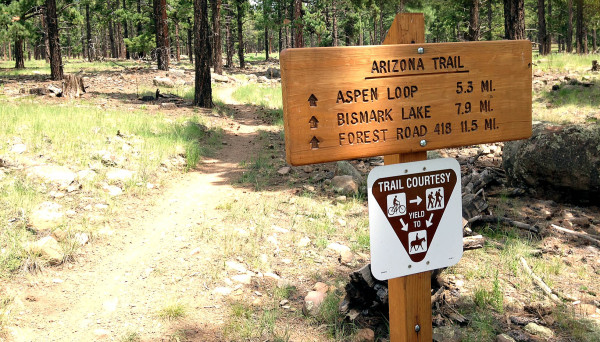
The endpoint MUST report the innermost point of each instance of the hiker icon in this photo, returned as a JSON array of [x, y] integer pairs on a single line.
[[435, 198], [417, 242], [396, 204]]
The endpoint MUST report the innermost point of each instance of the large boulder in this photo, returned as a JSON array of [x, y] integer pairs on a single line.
[[163, 82], [558, 162]]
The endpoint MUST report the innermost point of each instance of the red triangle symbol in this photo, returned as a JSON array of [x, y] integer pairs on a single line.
[[414, 205]]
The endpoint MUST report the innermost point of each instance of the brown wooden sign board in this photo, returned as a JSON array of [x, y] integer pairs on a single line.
[[353, 102]]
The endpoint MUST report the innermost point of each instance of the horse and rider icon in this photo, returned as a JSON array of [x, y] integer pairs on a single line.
[[417, 242], [435, 198]]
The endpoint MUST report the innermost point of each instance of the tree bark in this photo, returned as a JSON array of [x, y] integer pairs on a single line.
[[489, 19], [203, 90], [216, 24], [19, 58], [126, 36], [542, 35], [190, 44], [334, 26], [240, 17], [594, 40], [228, 39], [474, 22], [299, 27], [280, 24], [45, 34], [162, 34], [549, 28], [265, 20], [514, 19], [88, 28], [177, 45], [579, 31], [569, 38], [56, 67], [111, 36]]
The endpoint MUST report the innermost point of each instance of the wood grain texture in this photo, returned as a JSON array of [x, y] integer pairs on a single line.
[[376, 100], [409, 297]]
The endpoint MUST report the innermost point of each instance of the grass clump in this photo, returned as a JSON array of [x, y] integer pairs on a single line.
[[131, 337], [253, 323], [578, 328], [172, 311], [329, 316]]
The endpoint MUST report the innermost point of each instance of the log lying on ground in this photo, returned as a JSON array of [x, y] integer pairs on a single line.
[[539, 282], [589, 237], [473, 242], [506, 220]]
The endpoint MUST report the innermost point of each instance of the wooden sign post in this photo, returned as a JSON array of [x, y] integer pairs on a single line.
[[409, 297], [401, 100]]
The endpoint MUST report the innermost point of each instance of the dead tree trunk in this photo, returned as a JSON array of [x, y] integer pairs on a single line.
[[72, 86], [474, 22]]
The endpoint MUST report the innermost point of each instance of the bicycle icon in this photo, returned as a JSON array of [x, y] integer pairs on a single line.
[[396, 204], [397, 210]]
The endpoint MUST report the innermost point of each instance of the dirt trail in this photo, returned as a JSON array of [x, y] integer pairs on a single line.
[[152, 259]]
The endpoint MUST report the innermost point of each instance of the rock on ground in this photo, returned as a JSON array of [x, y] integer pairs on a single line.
[[119, 175], [54, 174], [344, 168], [46, 216], [163, 82], [48, 248], [344, 185], [557, 162], [538, 330], [313, 302]]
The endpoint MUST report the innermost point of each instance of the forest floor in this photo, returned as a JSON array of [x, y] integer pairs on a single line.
[[227, 250]]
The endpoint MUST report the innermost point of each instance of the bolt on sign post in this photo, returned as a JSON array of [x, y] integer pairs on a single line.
[[401, 100]]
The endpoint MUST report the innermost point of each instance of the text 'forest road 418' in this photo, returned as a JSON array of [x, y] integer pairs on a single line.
[[415, 217]]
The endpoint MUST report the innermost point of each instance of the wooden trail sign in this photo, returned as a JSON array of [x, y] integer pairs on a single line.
[[351, 102], [441, 101]]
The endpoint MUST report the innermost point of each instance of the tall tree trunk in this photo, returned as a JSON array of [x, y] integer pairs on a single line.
[[126, 36], [549, 28], [56, 67], [19, 58], [265, 20], [579, 33], [489, 20], [45, 34], [228, 38], [569, 38], [334, 25], [190, 43], [542, 35], [240, 33], [203, 90], [280, 24], [111, 36], [88, 28], [594, 40], [474, 22], [162, 34], [299, 27], [382, 32], [177, 45], [216, 25], [514, 19]]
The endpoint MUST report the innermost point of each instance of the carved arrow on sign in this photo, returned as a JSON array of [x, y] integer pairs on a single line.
[[314, 143], [313, 100], [314, 123]]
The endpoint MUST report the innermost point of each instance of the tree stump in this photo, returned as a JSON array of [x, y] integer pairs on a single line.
[[72, 86], [595, 66]]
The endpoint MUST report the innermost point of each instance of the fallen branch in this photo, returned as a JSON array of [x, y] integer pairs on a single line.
[[582, 235], [473, 242], [495, 219], [437, 295], [539, 282]]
